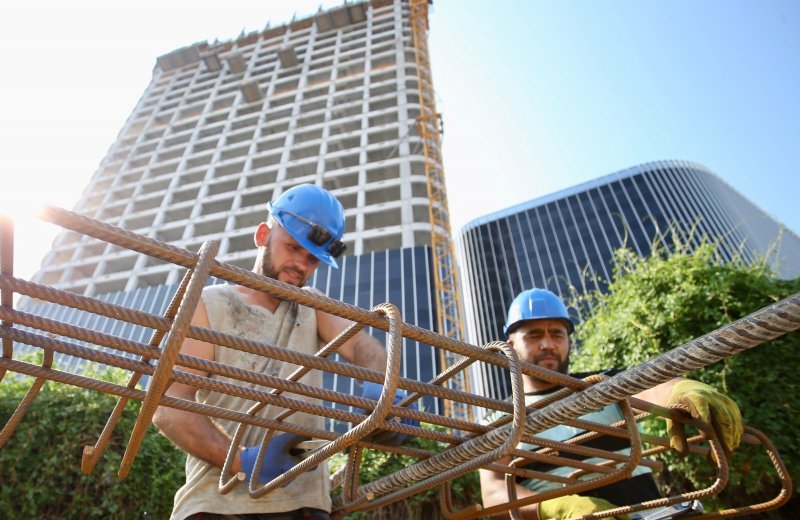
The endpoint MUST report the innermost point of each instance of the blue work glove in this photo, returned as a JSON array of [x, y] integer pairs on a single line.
[[277, 460], [373, 391]]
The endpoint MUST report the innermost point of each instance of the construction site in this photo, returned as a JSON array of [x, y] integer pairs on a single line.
[[343, 100]]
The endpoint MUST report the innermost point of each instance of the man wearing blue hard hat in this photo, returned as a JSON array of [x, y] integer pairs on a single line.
[[304, 227], [539, 328]]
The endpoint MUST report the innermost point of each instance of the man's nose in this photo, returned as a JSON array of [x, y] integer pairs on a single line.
[[546, 343]]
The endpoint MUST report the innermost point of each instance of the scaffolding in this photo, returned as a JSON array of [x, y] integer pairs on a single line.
[[446, 281], [464, 446]]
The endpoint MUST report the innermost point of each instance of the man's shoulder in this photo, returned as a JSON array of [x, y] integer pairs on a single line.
[[218, 288]]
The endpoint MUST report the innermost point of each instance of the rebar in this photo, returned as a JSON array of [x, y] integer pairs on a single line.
[[463, 445]]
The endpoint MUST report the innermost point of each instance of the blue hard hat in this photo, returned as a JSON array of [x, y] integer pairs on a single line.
[[536, 304], [313, 217]]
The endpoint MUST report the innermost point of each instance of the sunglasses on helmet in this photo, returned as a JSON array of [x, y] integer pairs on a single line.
[[319, 236]]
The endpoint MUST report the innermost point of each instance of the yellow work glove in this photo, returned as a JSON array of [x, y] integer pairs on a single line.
[[711, 406], [574, 506]]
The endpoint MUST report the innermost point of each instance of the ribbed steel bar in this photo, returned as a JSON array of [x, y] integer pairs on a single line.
[[625, 470], [91, 454], [161, 377], [761, 326], [22, 408], [784, 494], [213, 367], [513, 435], [228, 484], [716, 486], [117, 361], [360, 431], [478, 446], [102, 308], [239, 276]]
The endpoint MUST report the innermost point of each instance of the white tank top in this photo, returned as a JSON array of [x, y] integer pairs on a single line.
[[290, 326]]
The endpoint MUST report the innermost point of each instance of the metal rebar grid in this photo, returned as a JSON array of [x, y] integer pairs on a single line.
[[464, 445]]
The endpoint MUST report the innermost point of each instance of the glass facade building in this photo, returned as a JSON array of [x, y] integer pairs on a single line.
[[565, 241]]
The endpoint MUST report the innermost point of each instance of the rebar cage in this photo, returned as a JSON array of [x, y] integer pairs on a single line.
[[465, 445]]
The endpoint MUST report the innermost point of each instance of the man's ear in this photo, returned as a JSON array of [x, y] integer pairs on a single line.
[[261, 234]]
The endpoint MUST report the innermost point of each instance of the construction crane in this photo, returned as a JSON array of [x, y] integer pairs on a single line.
[[446, 281]]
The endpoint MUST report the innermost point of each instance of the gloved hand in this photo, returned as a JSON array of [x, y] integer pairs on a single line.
[[572, 506], [277, 459], [373, 391], [711, 406]]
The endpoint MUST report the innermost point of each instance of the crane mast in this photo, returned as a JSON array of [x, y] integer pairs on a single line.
[[446, 281]]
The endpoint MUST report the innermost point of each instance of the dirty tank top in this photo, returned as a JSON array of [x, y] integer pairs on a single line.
[[290, 326]]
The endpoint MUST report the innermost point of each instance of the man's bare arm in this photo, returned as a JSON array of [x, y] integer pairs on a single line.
[[194, 433], [362, 350]]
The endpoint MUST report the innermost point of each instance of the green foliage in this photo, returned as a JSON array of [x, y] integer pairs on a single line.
[[377, 464], [40, 473], [658, 303]]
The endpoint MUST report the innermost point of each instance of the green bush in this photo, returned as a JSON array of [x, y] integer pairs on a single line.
[[40, 473], [658, 303]]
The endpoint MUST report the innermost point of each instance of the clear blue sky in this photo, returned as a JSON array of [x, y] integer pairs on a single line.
[[536, 95], [541, 95]]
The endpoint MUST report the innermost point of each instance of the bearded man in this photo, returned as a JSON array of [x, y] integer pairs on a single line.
[[539, 328], [304, 227]]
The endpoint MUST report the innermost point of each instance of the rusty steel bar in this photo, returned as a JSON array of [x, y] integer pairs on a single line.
[[630, 462], [718, 485], [207, 366], [180, 404], [226, 485], [480, 458], [210, 336], [160, 381], [754, 329], [360, 431], [784, 494], [211, 384], [22, 408], [115, 235], [91, 454], [477, 445]]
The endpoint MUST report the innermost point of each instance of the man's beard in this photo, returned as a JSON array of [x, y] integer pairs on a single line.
[[563, 364], [266, 268]]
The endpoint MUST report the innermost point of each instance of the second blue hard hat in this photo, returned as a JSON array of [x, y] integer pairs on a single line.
[[536, 304]]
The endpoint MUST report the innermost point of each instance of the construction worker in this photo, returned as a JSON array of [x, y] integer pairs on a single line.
[[304, 227], [539, 328]]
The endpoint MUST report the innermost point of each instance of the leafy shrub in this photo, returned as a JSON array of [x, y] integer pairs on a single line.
[[658, 303], [40, 473]]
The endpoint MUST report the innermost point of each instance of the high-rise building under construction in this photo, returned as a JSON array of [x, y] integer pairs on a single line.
[[223, 128], [332, 99]]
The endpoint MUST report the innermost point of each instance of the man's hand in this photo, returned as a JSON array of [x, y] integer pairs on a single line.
[[574, 506], [277, 460], [711, 406], [373, 391]]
